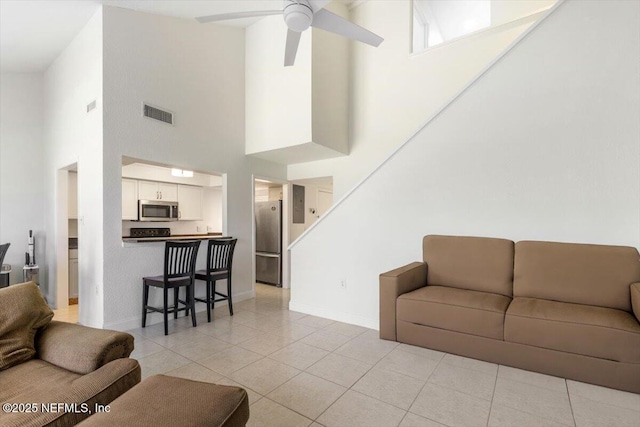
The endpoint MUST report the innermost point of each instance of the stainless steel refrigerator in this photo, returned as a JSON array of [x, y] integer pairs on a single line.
[[269, 242]]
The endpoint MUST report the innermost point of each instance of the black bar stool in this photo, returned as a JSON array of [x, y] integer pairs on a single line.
[[179, 271], [219, 261]]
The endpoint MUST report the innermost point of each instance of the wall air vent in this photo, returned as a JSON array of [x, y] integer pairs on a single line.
[[157, 114]]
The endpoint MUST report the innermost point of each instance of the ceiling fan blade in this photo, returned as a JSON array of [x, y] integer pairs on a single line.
[[316, 5], [333, 23], [293, 39], [237, 15]]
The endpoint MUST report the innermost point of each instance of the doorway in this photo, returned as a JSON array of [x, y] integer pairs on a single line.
[[67, 245], [271, 213]]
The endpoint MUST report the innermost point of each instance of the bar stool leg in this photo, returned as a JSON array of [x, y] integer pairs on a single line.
[[145, 302], [191, 301], [165, 312], [175, 302], [229, 294], [213, 295], [208, 298]]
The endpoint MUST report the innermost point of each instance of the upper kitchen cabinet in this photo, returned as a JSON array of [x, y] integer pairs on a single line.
[[151, 190], [301, 113], [129, 199], [190, 203], [72, 196]]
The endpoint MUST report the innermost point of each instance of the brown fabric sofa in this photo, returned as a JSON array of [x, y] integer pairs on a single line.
[[73, 365], [570, 310]]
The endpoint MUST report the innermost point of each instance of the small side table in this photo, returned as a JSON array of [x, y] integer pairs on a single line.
[[5, 274]]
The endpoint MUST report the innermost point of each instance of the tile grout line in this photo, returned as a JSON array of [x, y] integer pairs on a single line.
[[330, 405], [493, 395], [422, 389], [573, 417]]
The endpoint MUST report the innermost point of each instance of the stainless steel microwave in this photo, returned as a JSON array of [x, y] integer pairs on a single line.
[[156, 210]]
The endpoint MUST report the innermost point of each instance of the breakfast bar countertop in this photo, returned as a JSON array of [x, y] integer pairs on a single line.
[[174, 237]]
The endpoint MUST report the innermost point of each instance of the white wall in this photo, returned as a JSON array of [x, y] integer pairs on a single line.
[[278, 98], [544, 146], [303, 103], [506, 10], [21, 170], [73, 135], [212, 209], [392, 93], [197, 72]]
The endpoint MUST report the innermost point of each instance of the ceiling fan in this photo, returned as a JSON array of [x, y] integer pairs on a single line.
[[300, 15]]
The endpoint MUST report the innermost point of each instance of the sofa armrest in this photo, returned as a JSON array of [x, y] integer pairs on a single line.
[[635, 299], [81, 349], [393, 284]]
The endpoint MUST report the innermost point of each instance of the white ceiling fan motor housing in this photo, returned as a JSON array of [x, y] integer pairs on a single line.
[[298, 14]]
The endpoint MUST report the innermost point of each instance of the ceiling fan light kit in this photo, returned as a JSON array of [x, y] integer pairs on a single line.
[[299, 15]]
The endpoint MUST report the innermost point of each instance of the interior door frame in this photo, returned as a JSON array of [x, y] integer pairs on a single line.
[[286, 215]]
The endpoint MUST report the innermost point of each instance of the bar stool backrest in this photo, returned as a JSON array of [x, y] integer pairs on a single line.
[[180, 259], [3, 251], [220, 255]]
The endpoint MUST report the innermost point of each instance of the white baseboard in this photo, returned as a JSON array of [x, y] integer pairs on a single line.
[[153, 318], [340, 316]]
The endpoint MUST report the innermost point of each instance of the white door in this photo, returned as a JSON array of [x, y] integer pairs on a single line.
[[325, 201]]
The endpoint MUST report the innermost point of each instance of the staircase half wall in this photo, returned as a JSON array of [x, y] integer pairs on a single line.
[[545, 145]]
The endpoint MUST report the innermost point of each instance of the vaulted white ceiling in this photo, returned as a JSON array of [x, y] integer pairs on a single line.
[[34, 32]]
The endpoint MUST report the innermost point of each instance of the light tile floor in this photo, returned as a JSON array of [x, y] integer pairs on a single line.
[[68, 314], [307, 371]]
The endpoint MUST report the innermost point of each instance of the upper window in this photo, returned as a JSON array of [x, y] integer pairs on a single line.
[[438, 21]]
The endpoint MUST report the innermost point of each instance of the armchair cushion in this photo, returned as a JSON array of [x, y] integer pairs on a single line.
[[81, 349], [22, 312]]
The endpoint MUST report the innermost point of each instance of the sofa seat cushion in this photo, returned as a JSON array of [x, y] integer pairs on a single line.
[[459, 310], [605, 333]]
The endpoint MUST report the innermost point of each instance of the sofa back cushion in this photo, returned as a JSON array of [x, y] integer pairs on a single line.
[[474, 263], [22, 312], [595, 275]]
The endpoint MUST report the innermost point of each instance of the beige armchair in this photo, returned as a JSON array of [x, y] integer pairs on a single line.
[[74, 369]]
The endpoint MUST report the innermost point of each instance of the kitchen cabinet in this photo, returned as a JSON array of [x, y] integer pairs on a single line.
[[129, 199], [190, 203], [73, 273], [72, 196], [151, 190]]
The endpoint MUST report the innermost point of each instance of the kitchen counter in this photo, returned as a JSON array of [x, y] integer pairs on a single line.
[[127, 239]]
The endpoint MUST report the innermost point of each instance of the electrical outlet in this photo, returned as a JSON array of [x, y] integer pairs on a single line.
[[343, 283]]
